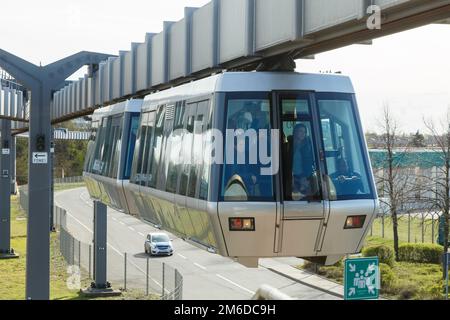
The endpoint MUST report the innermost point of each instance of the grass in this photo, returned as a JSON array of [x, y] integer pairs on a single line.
[[416, 281], [13, 271], [415, 227]]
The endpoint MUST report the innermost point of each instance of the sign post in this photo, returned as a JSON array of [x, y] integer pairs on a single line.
[[361, 279], [445, 262]]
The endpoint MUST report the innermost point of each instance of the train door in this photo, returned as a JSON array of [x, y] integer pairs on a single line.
[[302, 207]]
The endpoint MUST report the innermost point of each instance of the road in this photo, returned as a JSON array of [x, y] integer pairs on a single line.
[[206, 276]]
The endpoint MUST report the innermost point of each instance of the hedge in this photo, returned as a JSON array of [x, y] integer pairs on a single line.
[[384, 253], [420, 253]]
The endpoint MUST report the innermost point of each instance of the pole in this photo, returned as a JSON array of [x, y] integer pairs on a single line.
[[163, 279], [100, 241], [409, 227], [5, 191], [90, 261], [79, 254], [125, 271], [146, 291]]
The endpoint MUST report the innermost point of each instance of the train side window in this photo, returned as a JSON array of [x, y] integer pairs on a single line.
[[197, 154], [248, 114], [156, 149], [139, 150], [205, 171], [134, 125], [100, 154], [116, 146], [186, 149], [301, 182], [146, 147], [348, 176], [166, 146], [175, 150], [95, 161]]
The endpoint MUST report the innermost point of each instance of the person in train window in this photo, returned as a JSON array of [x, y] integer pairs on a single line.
[[346, 181], [301, 153]]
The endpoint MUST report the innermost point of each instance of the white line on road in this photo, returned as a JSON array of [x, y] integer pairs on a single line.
[[132, 229], [114, 219], [235, 284], [122, 223], [117, 251], [180, 255], [141, 234], [200, 266]]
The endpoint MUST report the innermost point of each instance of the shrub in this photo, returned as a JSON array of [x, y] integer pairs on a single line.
[[420, 253], [384, 253], [387, 277]]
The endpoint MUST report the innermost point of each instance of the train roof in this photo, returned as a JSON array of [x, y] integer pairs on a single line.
[[133, 105], [254, 82]]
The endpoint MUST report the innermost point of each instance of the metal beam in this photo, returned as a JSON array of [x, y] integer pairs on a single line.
[[5, 192], [42, 81], [100, 245]]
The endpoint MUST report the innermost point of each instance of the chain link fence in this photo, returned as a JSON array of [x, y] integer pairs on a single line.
[[138, 272]]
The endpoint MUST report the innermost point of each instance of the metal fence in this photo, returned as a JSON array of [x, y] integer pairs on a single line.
[[67, 180], [412, 227], [23, 190], [138, 272]]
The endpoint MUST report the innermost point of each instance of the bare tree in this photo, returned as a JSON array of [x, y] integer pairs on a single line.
[[394, 182], [439, 185]]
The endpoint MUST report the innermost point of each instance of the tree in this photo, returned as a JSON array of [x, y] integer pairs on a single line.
[[439, 184], [418, 140], [393, 182]]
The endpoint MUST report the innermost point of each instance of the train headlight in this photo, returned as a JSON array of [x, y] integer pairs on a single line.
[[242, 224], [354, 222]]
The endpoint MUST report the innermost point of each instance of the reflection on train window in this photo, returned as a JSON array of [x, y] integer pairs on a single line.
[[175, 142], [112, 162], [299, 163], [143, 145], [247, 115], [186, 149], [134, 125], [97, 164], [156, 147], [346, 166]]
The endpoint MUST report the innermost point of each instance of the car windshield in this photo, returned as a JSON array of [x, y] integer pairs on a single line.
[[160, 238]]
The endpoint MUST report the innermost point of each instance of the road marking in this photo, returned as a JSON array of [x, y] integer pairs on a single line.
[[122, 223], [235, 284], [141, 234], [132, 229], [114, 219], [117, 251], [200, 266], [180, 255]]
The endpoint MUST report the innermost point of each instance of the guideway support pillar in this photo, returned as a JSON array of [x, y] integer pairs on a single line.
[[6, 252], [100, 286]]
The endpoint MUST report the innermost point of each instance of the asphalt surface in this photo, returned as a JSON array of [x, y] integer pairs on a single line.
[[206, 276]]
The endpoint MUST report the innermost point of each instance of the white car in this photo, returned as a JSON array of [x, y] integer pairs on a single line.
[[158, 244]]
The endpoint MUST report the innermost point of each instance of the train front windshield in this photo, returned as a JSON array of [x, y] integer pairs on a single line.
[[311, 127]]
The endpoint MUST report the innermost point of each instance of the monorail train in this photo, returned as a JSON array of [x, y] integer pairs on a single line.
[[249, 164]]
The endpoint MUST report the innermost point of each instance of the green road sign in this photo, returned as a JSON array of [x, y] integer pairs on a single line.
[[361, 279]]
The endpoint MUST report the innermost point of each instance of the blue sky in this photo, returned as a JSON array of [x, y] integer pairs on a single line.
[[409, 71]]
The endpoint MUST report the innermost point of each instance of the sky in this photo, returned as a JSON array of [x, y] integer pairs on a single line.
[[408, 71]]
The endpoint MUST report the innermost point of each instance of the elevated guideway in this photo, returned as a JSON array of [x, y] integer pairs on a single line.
[[238, 35]]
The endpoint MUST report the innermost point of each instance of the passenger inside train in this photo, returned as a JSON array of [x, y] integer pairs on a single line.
[[346, 181]]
